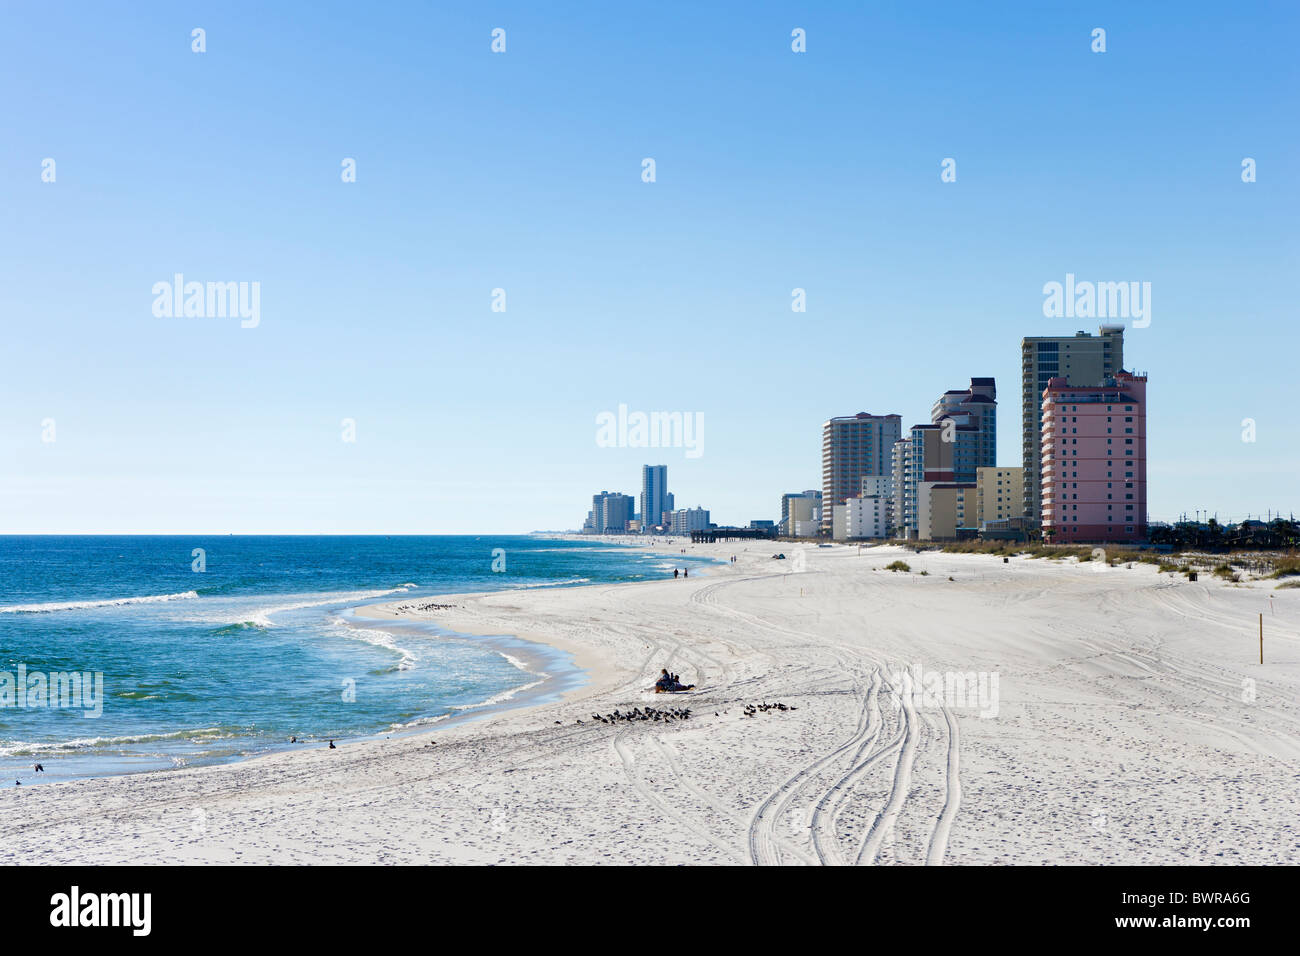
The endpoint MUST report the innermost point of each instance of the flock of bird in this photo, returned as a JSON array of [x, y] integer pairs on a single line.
[[679, 713], [753, 710], [650, 713], [426, 607]]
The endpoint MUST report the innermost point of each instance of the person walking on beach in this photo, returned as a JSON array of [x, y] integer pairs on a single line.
[[686, 572], [674, 574]]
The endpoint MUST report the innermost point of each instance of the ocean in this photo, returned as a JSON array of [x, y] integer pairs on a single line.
[[207, 649]]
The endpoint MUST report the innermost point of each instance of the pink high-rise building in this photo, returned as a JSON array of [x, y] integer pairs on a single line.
[[1094, 460]]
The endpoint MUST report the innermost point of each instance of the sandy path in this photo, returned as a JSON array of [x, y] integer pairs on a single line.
[[1126, 731]]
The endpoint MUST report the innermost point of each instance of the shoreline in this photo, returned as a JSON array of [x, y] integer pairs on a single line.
[[599, 670], [1113, 683], [551, 670]]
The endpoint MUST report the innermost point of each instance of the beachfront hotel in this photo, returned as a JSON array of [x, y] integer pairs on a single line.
[[1080, 359], [1094, 464], [854, 446]]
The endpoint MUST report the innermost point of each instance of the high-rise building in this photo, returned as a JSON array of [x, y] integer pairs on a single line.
[[1081, 359], [1094, 464], [610, 512], [925, 457], [999, 494], [853, 446], [898, 485], [974, 413], [654, 495]]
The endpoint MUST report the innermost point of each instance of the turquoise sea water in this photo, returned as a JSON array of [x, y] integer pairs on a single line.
[[207, 665]]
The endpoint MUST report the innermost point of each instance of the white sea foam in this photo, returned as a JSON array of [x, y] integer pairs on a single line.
[[419, 722], [506, 695], [379, 639], [502, 697], [262, 618], [104, 602], [23, 747]]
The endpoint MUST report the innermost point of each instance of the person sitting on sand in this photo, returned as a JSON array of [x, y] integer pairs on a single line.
[[671, 684]]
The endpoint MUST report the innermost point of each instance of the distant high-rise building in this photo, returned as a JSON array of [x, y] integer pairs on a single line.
[[854, 446], [974, 412], [1081, 359], [618, 512], [1094, 464], [610, 512], [655, 499]]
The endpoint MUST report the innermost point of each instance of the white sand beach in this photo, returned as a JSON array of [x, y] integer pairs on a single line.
[[1132, 724]]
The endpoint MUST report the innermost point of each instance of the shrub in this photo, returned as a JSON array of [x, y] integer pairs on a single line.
[[898, 566], [1286, 567]]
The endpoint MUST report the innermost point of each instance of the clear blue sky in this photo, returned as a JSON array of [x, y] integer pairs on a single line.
[[522, 170]]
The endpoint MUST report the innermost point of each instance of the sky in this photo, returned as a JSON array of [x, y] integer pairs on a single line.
[[522, 171]]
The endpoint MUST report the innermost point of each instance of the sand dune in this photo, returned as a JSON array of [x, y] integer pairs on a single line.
[[1132, 723]]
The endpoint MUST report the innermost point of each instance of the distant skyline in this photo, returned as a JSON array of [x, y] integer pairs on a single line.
[[522, 172]]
